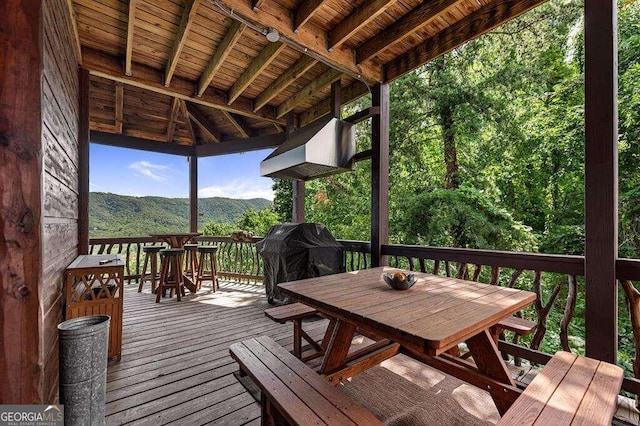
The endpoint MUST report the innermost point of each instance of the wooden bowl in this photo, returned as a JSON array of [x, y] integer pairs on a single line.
[[397, 282]]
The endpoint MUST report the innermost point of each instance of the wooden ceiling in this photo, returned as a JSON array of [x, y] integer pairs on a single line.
[[195, 72]]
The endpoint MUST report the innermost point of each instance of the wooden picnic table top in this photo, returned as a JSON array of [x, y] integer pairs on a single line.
[[176, 239], [432, 316]]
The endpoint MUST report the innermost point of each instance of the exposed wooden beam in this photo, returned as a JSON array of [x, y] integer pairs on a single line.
[[301, 66], [187, 121], [262, 61], [278, 127], [203, 122], [74, 31], [360, 17], [130, 26], [422, 15], [319, 83], [147, 78], [304, 12], [188, 16], [124, 141], [310, 39], [468, 28], [240, 145], [322, 108], [171, 127], [363, 115], [238, 123], [255, 5], [222, 51], [119, 107]]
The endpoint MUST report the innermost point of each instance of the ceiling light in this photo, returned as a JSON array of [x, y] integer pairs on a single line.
[[273, 35]]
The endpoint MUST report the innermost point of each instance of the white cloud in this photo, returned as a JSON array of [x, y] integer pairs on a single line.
[[239, 189], [156, 172]]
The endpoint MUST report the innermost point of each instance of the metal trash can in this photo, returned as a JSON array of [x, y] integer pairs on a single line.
[[83, 369]]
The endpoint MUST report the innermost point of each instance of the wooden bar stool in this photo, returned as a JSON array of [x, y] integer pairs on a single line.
[[171, 273], [207, 272], [191, 262], [150, 257]]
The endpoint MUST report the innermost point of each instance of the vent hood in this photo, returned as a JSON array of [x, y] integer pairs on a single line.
[[324, 147]]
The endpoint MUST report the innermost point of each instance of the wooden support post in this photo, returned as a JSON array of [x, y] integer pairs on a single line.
[[83, 162], [298, 185], [193, 193], [601, 179], [380, 174], [21, 203]]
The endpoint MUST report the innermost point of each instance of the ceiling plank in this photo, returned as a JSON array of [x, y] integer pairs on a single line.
[[310, 39], [239, 124], [468, 28], [119, 107], [409, 23], [255, 5], [147, 78], [304, 12], [171, 127], [319, 83], [187, 121], [235, 146], [301, 66], [360, 17], [188, 16], [222, 51], [322, 108], [130, 26], [123, 141], [262, 61], [74, 31], [203, 123]]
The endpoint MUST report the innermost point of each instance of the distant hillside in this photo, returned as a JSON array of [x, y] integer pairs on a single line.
[[113, 215]]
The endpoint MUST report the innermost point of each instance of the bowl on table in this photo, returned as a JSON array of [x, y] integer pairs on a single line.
[[399, 281]]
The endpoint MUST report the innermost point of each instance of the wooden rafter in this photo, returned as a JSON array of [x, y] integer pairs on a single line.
[[468, 28], [322, 108], [171, 127], [203, 122], [187, 121], [409, 23], [222, 51], [278, 127], [310, 39], [130, 26], [302, 65], [147, 78], [262, 61], [239, 124], [240, 145], [188, 16], [74, 30], [119, 107], [304, 12], [321, 82], [141, 143], [255, 5], [360, 17]]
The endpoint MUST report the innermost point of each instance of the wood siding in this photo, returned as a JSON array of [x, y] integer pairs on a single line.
[[60, 173]]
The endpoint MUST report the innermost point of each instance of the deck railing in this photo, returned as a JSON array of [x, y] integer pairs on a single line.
[[558, 280]]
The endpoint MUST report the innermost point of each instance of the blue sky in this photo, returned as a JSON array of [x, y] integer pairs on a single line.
[[139, 173]]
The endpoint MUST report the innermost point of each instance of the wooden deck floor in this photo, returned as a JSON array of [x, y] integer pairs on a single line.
[[175, 366]]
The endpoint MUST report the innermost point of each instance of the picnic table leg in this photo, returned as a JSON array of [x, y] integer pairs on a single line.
[[338, 348], [488, 360]]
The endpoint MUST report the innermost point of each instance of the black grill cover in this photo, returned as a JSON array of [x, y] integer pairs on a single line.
[[295, 251]]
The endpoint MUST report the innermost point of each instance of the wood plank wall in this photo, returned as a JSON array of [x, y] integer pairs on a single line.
[[60, 209]]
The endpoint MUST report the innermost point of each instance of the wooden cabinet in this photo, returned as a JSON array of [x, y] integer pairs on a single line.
[[94, 286]]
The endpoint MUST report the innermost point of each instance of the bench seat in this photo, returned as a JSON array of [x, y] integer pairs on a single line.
[[570, 390], [519, 326], [293, 392], [289, 312]]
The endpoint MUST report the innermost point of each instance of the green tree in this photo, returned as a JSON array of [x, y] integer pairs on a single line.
[[258, 222]]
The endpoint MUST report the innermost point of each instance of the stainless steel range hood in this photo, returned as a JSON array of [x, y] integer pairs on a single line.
[[324, 147]]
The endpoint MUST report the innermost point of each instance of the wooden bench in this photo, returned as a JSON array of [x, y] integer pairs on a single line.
[[292, 392], [570, 390], [296, 312]]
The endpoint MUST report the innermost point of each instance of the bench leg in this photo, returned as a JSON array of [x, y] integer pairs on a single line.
[[297, 338]]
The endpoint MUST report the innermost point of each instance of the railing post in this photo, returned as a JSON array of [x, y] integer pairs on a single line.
[[380, 175], [601, 179], [193, 193]]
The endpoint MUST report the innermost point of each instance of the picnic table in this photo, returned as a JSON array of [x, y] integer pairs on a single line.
[[424, 322], [176, 239]]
